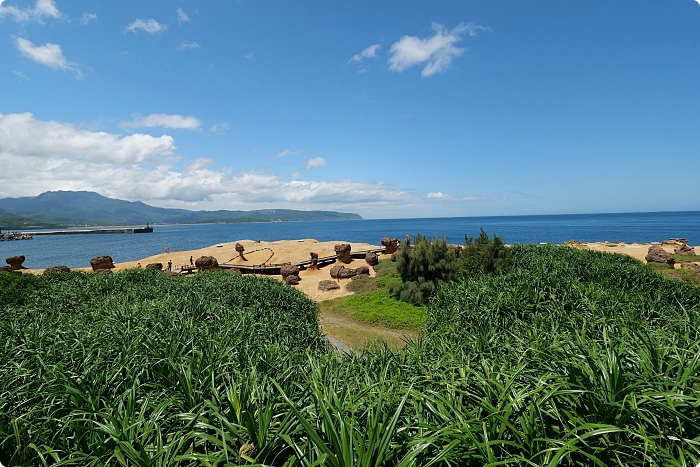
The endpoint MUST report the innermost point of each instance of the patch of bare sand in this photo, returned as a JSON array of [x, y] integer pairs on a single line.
[[258, 253], [636, 250]]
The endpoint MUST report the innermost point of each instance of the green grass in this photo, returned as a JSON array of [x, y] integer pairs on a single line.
[[684, 258], [571, 358], [373, 304], [379, 308]]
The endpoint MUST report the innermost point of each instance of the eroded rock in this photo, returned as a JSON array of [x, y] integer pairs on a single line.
[[684, 249], [656, 254], [390, 245], [206, 263], [328, 285], [101, 263], [314, 261], [289, 270], [56, 269], [371, 259], [692, 266], [15, 262], [157, 266], [240, 249], [292, 279], [342, 252], [5, 269]]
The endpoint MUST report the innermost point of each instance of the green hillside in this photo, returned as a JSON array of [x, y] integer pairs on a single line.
[[72, 208]]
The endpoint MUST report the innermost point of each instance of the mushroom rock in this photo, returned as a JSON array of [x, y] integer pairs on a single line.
[[328, 285], [56, 269], [15, 262], [292, 279], [314, 261], [371, 259], [5, 269], [684, 249], [101, 262], [157, 266], [656, 254], [342, 252], [391, 245], [289, 270], [206, 263], [240, 250]]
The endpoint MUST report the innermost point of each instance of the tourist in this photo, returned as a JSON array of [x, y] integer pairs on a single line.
[[191, 262], [170, 265]]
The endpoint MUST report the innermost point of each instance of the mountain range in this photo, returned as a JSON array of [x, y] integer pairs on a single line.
[[85, 208]]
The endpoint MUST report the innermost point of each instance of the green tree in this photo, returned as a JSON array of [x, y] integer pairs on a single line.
[[482, 254], [423, 266]]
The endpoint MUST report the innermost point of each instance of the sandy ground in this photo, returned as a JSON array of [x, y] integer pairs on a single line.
[[278, 252], [635, 250]]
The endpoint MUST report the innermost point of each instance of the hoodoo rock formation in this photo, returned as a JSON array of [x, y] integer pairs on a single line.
[[15, 262], [656, 254], [206, 263], [391, 245], [314, 261], [102, 263], [292, 279], [289, 270], [342, 253], [240, 250]]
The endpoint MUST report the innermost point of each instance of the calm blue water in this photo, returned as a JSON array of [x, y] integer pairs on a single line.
[[76, 250]]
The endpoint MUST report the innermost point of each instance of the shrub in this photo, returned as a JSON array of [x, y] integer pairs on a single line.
[[482, 254], [423, 268]]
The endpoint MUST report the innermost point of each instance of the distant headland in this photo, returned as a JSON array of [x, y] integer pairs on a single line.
[[60, 209]]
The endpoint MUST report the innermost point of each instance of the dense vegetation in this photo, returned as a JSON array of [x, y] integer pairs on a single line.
[[568, 358]]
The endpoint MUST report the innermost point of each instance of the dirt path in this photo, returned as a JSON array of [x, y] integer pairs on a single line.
[[356, 335]]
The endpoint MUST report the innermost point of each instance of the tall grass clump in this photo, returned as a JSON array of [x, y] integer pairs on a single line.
[[567, 358]]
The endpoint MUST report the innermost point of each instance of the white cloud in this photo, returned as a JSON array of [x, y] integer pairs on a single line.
[[37, 156], [87, 17], [188, 46], [164, 121], [285, 152], [182, 16], [220, 127], [315, 163], [26, 137], [438, 195], [50, 55], [369, 52], [42, 9], [435, 52], [250, 56], [19, 74], [150, 26]]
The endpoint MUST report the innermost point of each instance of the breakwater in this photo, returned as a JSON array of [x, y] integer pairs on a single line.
[[10, 236], [93, 231]]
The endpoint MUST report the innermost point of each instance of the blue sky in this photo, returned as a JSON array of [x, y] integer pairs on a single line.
[[387, 109]]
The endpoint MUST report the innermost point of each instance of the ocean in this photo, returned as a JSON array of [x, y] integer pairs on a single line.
[[76, 250]]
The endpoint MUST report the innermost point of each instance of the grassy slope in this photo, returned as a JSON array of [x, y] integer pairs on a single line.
[[571, 358], [372, 303]]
